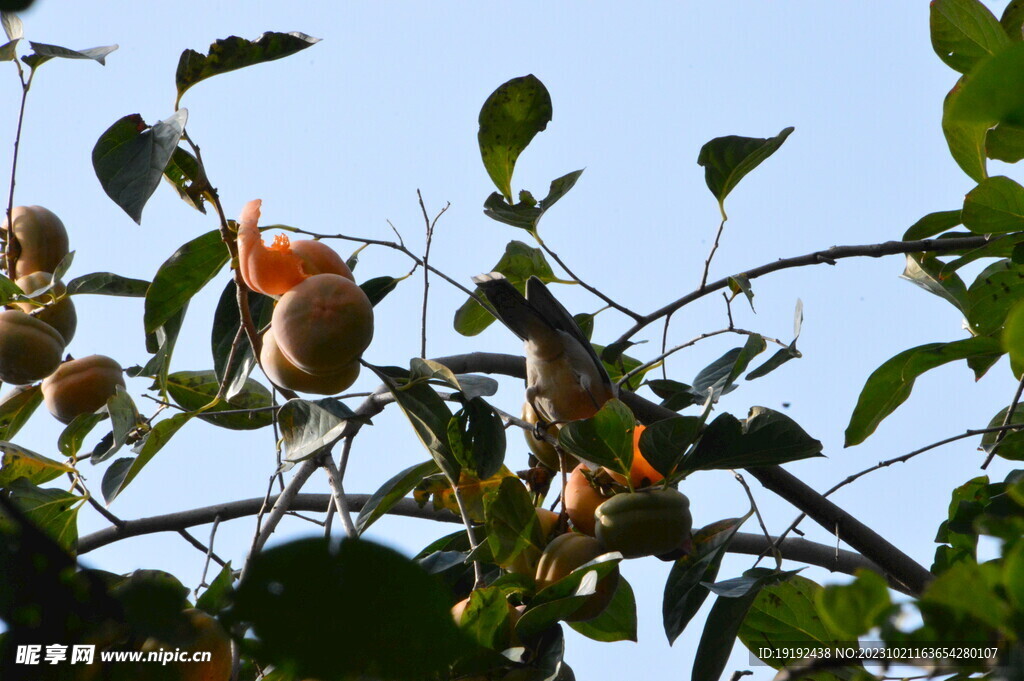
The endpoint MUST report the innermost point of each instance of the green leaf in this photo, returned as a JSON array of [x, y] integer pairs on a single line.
[[566, 596], [674, 395], [684, 589], [120, 473], [53, 511], [183, 172], [217, 596], [161, 343], [1005, 142], [991, 94], [621, 365], [617, 622], [664, 443], [378, 287], [993, 293], [181, 276], [16, 407], [964, 590], [765, 438], [605, 439], [1011, 447], [391, 492], [740, 284], [995, 206], [9, 50], [8, 290], [232, 53], [309, 426], [487, 618], [719, 376], [107, 284], [509, 119], [511, 522], [723, 624], [852, 610], [527, 215], [398, 606], [932, 224], [226, 322], [72, 437], [130, 157], [476, 435], [890, 385], [1012, 19], [43, 53], [20, 463], [964, 32], [934, 276], [780, 357], [1013, 338], [519, 263], [726, 160], [193, 390]]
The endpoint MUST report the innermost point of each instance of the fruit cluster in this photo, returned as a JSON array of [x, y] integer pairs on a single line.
[[35, 331], [322, 322]]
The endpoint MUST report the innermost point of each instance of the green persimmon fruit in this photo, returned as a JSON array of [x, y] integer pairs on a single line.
[[644, 523]]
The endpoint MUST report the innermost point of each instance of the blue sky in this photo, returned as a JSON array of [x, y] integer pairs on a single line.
[[339, 137]]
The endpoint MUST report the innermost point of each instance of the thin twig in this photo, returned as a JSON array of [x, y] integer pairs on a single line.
[[714, 247], [827, 256], [1009, 415], [208, 550], [760, 518], [554, 256], [11, 248], [209, 554], [430, 224]]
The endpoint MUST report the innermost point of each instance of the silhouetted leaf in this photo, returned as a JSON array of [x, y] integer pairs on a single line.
[[526, 215], [765, 438], [43, 53], [107, 284]]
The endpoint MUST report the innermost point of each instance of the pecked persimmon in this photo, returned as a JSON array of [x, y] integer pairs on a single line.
[[42, 240], [29, 349], [81, 386], [544, 451], [285, 374], [61, 314], [581, 500], [323, 324], [274, 269], [641, 473]]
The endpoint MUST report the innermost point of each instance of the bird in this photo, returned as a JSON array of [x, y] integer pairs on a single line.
[[565, 379]]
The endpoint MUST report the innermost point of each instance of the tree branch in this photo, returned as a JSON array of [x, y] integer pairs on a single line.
[[829, 256]]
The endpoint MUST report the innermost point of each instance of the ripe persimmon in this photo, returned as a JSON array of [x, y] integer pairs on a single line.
[[581, 500], [323, 324], [565, 553], [42, 240], [29, 349], [81, 386], [274, 269], [61, 314], [285, 374]]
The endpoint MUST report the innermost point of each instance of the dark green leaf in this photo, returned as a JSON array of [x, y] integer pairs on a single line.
[[217, 596], [487, 618], [226, 323], [511, 522], [377, 288], [161, 343], [193, 390], [726, 160], [182, 171], [933, 276], [527, 214], [107, 284], [476, 435], [16, 407], [181, 276], [995, 206], [684, 589], [766, 438], [617, 622], [1013, 18], [1005, 142], [992, 295], [395, 489], [9, 50], [232, 53], [585, 321], [1011, 447], [605, 439], [130, 157], [566, 596], [964, 32], [663, 443], [852, 610], [964, 590], [780, 357], [1013, 339], [53, 511], [509, 119], [723, 624], [740, 284], [621, 365], [519, 263], [19, 462], [43, 53], [398, 606], [932, 224], [719, 377], [890, 385], [674, 395], [309, 426]]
